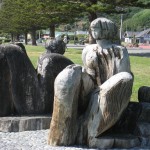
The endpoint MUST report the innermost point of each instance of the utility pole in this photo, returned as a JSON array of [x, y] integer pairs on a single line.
[[121, 26], [39, 34], [75, 33], [1, 1]]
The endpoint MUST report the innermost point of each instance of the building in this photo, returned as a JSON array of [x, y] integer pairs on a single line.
[[129, 36], [81, 32], [143, 37], [137, 37]]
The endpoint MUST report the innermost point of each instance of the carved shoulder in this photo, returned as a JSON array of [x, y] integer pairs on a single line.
[[87, 49], [122, 58]]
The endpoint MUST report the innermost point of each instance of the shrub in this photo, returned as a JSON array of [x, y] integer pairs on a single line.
[[7, 41], [73, 37]]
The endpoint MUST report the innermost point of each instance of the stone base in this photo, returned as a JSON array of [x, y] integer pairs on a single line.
[[24, 123], [118, 141], [126, 141]]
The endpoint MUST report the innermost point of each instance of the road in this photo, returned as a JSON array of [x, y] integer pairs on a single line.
[[145, 52], [130, 50]]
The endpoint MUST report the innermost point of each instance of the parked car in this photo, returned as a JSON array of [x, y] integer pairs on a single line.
[[82, 41], [40, 40]]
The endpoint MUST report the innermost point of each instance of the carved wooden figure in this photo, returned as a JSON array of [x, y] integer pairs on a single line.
[[49, 66], [107, 90], [19, 90]]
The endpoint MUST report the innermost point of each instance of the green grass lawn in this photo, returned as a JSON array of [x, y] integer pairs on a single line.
[[140, 66], [34, 52]]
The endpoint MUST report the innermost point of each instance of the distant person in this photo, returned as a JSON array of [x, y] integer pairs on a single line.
[[66, 40]]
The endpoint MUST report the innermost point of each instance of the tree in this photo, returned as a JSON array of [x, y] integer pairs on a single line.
[[32, 15], [57, 12], [20, 16], [138, 21], [95, 8], [6, 24]]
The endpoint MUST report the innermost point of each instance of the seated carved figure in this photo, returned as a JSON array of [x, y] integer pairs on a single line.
[[89, 100]]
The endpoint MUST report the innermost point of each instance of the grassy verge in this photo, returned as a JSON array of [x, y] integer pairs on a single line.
[[74, 55], [141, 70], [139, 66], [34, 52]]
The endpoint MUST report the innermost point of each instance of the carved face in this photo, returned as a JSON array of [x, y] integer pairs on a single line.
[[103, 28], [96, 32], [100, 30]]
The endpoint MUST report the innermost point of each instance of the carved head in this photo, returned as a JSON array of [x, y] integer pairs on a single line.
[[103, 28], [55, 46]]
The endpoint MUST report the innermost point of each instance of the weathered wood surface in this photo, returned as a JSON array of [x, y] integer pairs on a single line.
[[101, 64], [107, 69], [128, 120], [110, 81], [70, 92], [144, 115], [142, 129], [23, 90], [55, 46], [49, 66], [144, 94], [105, 107], [19, 90], [63, 128]]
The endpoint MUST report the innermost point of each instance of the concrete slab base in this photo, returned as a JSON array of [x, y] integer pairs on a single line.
[[24, 123]]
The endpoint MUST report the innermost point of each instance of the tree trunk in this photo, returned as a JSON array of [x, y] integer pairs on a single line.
[[33, 37], [92, 16], [12, 37], [26, 40], [17, 37], [52, 31]]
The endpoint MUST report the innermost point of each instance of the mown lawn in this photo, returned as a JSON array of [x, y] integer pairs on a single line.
[[140, 66]]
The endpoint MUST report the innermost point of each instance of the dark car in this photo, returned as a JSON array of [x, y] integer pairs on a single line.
[[82, 41]]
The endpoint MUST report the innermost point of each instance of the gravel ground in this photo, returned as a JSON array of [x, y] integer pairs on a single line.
[[35, 140], [29, 140]]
